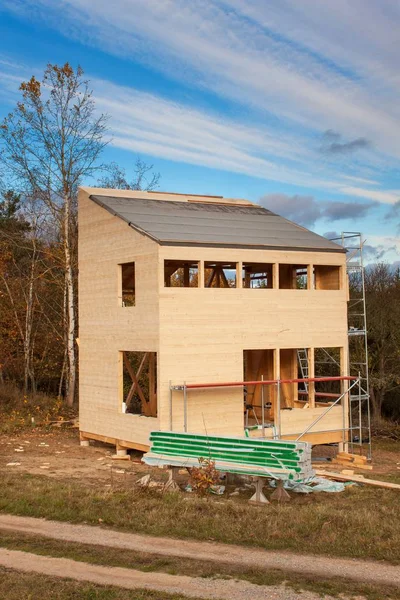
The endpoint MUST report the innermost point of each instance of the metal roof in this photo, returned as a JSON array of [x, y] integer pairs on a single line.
[[213, 224]]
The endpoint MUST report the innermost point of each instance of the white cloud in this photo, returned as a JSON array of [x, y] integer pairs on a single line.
[[314, 66], [385, 196]]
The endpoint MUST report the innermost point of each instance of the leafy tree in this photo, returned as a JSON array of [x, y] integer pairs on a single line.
[[49, 143]]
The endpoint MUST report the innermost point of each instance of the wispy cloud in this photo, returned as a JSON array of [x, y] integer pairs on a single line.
[[307, 210], [314, 66], [298, 68], [332, 144]]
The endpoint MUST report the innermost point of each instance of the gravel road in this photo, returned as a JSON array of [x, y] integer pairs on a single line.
[[192, 587], [358, 570]]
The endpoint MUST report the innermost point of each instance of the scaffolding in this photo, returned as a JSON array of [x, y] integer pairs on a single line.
[[359, 404], [347, 428]]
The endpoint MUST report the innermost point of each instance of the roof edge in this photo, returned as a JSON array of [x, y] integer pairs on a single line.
[[338, 250], [115, 214]]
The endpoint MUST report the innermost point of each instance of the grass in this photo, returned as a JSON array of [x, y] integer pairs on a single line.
[[29, 586], [21, 412], [113, 557], [360, 522]]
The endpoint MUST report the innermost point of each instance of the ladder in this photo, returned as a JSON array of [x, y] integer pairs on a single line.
[[302, 358]]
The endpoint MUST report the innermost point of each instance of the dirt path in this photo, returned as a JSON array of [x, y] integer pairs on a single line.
[[357, 570], [193, 587]]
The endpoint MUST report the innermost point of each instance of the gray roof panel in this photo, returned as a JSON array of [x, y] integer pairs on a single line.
[[201, 223]]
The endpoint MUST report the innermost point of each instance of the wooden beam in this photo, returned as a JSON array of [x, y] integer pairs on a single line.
[[152, 408], [85, 435], [133, 377], [133, 386], [186, 275]]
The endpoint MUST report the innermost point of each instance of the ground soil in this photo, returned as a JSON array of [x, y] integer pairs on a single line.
[[57, 453]]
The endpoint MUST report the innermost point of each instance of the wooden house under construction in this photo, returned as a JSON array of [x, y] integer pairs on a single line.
[[186, 302]]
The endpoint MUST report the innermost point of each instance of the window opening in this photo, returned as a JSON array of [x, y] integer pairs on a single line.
[[127, 292], [327, 277], [219, 274], [139, 383], [181, 273], [257, 275], [293, 277]]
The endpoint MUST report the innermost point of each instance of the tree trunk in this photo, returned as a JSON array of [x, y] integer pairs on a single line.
[[69, 283], [28, 371]]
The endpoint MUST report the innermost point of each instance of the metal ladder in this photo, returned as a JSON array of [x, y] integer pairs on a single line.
[[302, 357]]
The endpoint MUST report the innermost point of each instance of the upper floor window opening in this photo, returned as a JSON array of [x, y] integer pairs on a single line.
[[220, 274], [327, 277], [181, 273], [127, 292], [293, 277], [257, 275]]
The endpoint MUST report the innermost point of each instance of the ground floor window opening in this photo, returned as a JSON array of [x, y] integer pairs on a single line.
[[139, 383], [327, 364]]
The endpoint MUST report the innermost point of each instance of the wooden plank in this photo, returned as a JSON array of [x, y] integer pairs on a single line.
[[358, 479], [85, 435]]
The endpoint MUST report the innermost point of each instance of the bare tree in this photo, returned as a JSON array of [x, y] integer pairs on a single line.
[[382, 284], [51, 140], [144, 177]]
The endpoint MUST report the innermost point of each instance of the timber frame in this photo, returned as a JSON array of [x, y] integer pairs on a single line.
[[201, 312]]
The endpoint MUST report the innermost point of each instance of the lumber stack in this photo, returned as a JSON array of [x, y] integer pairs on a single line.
[[356, 461], [279, 459]]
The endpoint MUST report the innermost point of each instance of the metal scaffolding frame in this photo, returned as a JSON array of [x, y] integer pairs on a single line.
[[359, 400], [351, 382]]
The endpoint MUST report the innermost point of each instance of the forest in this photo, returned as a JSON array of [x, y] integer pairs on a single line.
[[51, 143]]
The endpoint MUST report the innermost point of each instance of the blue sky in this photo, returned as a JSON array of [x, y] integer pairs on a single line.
[[294, 105]]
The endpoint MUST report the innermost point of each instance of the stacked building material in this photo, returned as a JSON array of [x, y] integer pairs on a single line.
[[278, 459]]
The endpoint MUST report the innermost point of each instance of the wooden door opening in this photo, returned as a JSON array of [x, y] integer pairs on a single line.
[[257, 365]]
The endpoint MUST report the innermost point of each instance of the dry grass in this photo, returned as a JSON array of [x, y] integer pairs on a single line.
[[19, 411], [114, 557], [29, 586], [360, 522]]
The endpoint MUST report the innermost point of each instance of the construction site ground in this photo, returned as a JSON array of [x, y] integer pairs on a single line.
[[48, 474]]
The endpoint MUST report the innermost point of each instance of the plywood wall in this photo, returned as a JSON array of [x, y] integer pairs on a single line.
[[105, 327], [199, 334], [203, 332]]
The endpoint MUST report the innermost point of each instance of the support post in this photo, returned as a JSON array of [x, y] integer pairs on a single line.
[[170, 406], [359, 412], [277, 401], [275, 276], [280, 494], [258, 497], [310, 277], [201, 274], [184, 407], [262, 407], [346, 404], [239, 280], [311, 375]]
